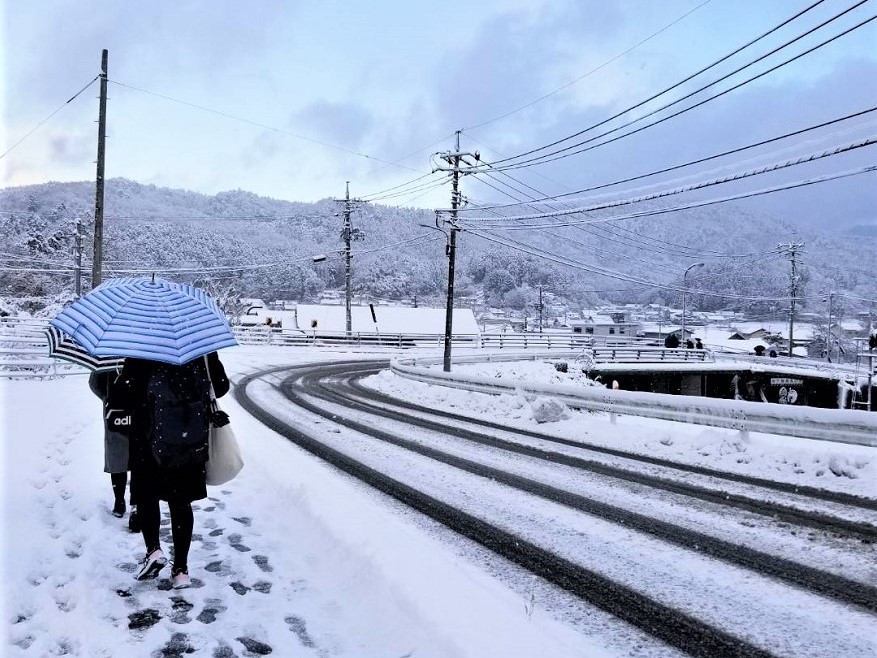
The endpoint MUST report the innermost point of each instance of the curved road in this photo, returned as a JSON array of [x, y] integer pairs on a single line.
[[665, 496]]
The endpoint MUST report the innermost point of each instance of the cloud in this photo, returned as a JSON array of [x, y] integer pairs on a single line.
[[343, 124]]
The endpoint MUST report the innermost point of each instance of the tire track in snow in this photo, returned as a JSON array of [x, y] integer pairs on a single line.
[[815, 580], [672, 626]]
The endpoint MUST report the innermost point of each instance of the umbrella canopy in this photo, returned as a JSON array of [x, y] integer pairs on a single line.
[[61, 346], [147, 319]]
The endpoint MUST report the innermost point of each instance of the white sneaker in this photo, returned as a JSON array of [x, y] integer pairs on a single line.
[[151, 565], [180, 580]]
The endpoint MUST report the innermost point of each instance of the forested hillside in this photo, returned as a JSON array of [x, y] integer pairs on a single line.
[[259, 247]]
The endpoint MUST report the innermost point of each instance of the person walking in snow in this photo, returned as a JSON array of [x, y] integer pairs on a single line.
[[171, 411], [671, 341], [117, 424]]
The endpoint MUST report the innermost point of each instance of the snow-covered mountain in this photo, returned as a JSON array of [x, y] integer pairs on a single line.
[[181, 233]]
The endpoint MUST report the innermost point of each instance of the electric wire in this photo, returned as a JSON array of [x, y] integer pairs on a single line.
[[675, 85], [582, 244], [639, 240], [592, 71], [688, 252], [805, 159], [709, 202], [263, 126], [715, 156], [651, 264], [568, 152], [274, 264], [563, 260], [46, 120], [593, 268]]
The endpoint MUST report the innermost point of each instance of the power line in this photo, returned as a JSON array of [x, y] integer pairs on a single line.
[[44, 121], [591, 72], [702, 185], [564, 152], [639, 241], [263, 126], [396, 187], [685, 164], [701, 204], [604, 250], [261, 266], [563, 260]]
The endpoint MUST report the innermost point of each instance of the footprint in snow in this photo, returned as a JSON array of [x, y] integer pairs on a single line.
[[297, 626], [262, 562], [176, 647], [217, 532], [212, 608], [224, 651], [143, 619], [181, 608], [218, 568], [235, 541], [243, 520], [239, 587], [254, 646], [262, 586]]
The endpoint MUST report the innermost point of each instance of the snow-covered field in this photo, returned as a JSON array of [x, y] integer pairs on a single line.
[[293, 556]]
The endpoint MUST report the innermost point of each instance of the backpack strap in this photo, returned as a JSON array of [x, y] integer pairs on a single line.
[[213, 405]]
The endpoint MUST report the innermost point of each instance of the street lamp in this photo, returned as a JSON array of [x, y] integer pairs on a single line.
[[685, 290]]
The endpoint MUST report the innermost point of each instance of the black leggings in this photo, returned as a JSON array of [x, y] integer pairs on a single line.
[[119, 481], [182, 523]]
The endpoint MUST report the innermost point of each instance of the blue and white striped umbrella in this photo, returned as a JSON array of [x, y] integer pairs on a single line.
[[148, 319], [61, 346]]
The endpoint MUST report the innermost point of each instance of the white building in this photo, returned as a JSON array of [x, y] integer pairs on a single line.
[[386, 320]]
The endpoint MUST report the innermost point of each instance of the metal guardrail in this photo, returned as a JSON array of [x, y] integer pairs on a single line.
[[838, 425], [24, 352]]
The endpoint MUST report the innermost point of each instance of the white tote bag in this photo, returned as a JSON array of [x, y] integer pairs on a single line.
[[224, 460]]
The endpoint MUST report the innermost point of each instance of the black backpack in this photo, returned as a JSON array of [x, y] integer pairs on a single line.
[[178, 398]]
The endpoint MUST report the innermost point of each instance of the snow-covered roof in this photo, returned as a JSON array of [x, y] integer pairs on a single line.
[[390, 319]]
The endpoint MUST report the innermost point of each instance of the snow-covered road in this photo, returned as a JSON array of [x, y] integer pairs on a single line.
[[300, 558]]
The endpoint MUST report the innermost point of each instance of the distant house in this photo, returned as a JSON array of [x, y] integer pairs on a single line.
[[744, 335], [604, 326], [658, 331]]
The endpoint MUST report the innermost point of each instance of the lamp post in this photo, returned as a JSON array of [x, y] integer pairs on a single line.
[[684, 291]]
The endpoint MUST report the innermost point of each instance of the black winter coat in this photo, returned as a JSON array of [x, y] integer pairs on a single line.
[[172, 484]]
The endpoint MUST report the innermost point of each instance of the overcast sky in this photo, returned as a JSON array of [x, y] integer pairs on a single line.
[[393, 80]]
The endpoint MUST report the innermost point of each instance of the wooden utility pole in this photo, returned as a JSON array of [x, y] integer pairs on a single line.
[[98, 252], [77, 255]]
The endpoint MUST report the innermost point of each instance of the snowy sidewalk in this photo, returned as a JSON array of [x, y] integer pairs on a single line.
[[290, 558]]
